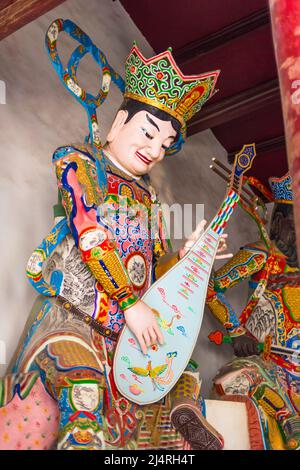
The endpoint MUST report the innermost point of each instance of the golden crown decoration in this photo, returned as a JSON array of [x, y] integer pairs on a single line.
[[159, 82]]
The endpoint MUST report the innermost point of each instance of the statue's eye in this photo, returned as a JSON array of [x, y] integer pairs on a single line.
[[146, 133]]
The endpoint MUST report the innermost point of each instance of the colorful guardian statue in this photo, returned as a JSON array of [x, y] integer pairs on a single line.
[[104, 252], [270, 321]]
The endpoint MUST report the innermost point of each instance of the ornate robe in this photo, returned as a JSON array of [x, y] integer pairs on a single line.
[[63, 360]]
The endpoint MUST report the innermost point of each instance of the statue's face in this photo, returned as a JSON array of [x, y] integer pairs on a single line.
[[141, 143]]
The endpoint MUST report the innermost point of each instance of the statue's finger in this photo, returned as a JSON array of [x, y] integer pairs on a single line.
[[158, 334], [228, 255], [152, 335], [147, 339], [200, 227], [142, 343], [189, 243]]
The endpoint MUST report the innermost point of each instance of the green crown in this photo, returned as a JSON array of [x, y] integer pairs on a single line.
[[159, 82]]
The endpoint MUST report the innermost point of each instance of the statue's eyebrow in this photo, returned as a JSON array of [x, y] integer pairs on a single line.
[[155, 125], [152, 122]]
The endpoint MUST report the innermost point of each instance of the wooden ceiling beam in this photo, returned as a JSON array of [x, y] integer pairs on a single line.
[[219, 38], [15, 14], [262, 147], [235, 107]]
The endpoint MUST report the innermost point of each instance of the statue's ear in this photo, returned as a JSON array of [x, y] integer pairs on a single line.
[[117, 125]]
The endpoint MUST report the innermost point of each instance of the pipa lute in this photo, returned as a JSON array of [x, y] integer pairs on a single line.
[[178, 300]]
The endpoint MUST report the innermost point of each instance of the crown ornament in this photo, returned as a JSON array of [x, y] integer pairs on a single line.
[[282, 189], [159, 82]]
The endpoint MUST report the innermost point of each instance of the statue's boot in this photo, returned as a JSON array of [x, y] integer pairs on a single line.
[[275, 407], [291, 429], [188, 418], [78, 391]]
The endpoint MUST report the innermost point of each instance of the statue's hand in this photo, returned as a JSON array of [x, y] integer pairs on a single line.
[[244, 346], [141, 320], [194, 237], [223, 248]]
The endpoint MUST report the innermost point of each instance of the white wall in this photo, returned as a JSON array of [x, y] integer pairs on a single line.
[[39, 115]]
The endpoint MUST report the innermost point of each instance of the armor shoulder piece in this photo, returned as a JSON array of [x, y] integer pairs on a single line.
[[66, 152]]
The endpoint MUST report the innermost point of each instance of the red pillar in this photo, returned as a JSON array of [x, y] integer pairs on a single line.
[[285, 16]]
